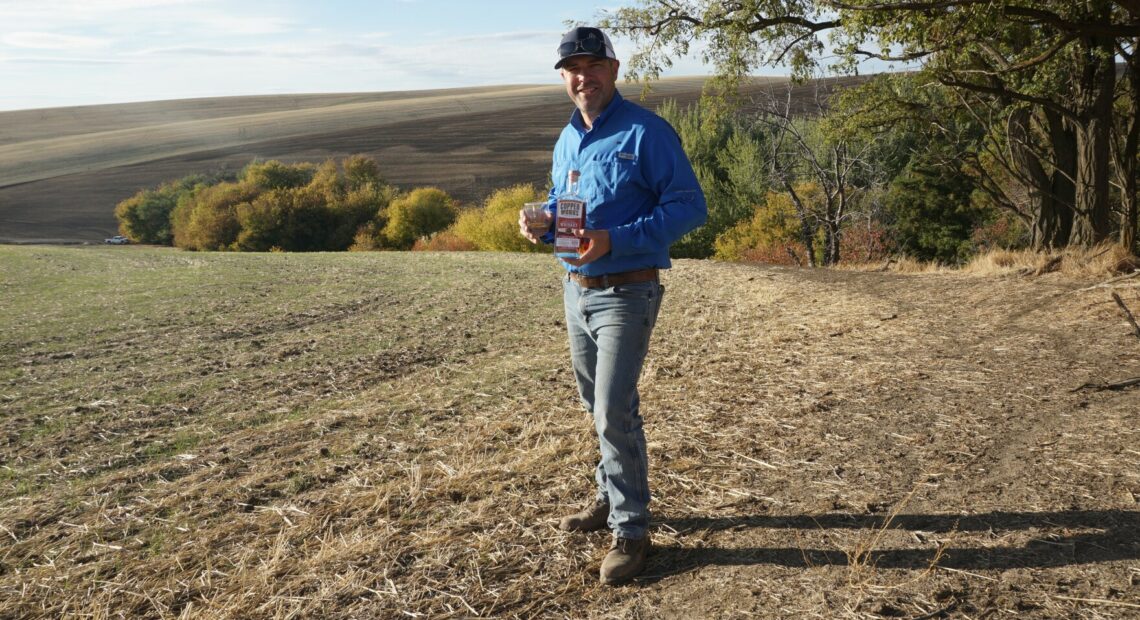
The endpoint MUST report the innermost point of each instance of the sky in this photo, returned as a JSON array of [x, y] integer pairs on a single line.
[[77, 52]]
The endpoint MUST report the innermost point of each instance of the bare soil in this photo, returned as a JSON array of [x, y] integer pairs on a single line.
[[396, 435]]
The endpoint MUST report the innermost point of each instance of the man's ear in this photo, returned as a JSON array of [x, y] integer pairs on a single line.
[[616, 64]]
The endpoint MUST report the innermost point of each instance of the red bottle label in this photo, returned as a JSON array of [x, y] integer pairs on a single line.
[[571, 216]]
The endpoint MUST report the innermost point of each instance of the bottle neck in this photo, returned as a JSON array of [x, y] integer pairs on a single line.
[[572, 182]]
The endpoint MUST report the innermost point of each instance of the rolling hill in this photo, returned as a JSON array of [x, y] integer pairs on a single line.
[[63, 170]]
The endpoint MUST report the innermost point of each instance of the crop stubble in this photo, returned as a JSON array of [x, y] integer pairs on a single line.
[[396, 434]]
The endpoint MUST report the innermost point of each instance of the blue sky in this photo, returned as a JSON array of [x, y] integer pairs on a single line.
[[77, 52]]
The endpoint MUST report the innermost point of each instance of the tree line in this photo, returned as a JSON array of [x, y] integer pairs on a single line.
[[301, 207], [306, 207], [1036, 101], [783, 186]]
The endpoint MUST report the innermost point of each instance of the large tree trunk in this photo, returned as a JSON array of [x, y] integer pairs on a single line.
[[831, 244], [1062, 179], [1094, 138], [1050, 207]]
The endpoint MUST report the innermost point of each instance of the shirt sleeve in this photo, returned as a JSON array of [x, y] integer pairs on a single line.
[[680, 204]]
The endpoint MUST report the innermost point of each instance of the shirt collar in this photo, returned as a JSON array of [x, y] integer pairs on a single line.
[[576, 117]]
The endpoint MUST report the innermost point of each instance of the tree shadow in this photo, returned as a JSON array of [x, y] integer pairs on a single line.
[[1117, 537]]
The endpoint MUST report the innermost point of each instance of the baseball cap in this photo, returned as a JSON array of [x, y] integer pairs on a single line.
[[584, 41]]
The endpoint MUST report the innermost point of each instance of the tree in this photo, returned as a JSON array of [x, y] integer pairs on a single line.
[[145, 217], [934, 216], [207, 219], [726, 157], [422, 212], [1053, 57], [273, 174], [821, 152]]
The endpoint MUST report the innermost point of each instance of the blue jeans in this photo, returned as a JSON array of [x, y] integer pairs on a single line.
[[609, 333]]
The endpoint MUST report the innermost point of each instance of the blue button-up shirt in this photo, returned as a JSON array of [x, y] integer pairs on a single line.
[[637, 183]]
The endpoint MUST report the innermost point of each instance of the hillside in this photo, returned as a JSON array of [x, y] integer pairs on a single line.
[[396, 434], [63, 170]]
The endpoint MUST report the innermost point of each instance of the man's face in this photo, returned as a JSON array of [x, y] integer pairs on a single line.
[[591, 83]]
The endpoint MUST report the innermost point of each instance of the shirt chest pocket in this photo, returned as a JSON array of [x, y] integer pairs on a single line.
[[614, 177]]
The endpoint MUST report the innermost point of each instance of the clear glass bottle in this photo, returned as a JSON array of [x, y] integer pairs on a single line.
[[570, 215]]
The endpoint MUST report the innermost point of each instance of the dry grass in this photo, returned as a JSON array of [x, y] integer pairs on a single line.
[[1077, 263], [396, 435], [1083, 263]]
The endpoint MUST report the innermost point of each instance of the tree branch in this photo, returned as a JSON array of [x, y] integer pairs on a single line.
[[763, 23], [903, 6], [1035, 15], [1127, 313], [1050, 18], [1012, 94], [889, 58]]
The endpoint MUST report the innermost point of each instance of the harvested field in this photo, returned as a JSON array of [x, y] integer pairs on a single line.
[[395, 435], [62, 171]]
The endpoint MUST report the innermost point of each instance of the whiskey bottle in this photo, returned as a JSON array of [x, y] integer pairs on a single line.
[[570, 215]]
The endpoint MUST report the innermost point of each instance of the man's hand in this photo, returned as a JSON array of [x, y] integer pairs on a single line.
[[599, 246]]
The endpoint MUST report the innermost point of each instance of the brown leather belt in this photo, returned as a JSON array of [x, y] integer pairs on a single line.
[[614, 279]]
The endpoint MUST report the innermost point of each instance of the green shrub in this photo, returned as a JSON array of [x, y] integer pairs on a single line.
[[368, 238], [495, 226], [730, 161], [358, 207], [263, 222], [933, 212], [294, 220], [296, 208], [422, 212]]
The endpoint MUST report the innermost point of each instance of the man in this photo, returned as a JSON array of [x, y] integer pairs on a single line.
[[641, 196]]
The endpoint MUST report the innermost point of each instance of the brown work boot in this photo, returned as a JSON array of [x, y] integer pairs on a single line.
[[590, 518], [625, 560]]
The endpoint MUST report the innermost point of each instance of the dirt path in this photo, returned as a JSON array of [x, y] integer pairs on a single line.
[[873, 426]]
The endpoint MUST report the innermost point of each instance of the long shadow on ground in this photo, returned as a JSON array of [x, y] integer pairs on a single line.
[[1114, 536]]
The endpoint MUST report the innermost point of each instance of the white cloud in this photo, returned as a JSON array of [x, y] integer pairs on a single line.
[[62, 61], [52, 41], [70, 8], [222, 24], [214, 52]]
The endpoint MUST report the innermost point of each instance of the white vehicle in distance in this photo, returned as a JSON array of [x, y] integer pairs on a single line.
[[117, 240]]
